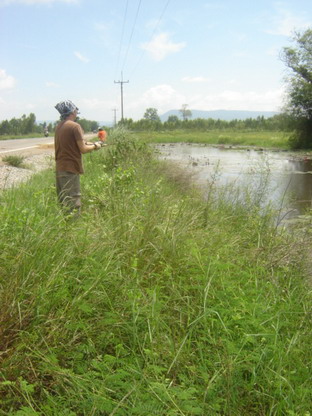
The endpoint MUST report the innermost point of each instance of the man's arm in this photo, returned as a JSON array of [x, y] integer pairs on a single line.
[[87, 148], [84, 146]]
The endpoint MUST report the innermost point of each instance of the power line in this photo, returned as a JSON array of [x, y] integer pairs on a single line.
[[151, 37], [122, 35], [121, 82], [131, 35]]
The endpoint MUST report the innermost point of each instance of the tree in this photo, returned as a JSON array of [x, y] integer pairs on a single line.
[[127, 123], [88, 125], [186, 113], [30, 123], [299, 60], [151, 114], [5, 127], [173, 119]]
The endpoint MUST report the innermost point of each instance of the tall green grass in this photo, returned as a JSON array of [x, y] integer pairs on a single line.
[[154, 302]]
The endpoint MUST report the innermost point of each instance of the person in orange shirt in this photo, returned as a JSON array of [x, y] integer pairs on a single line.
[[102, 135]]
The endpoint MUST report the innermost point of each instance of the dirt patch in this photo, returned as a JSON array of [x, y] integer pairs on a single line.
[[46, 146], [34, 161]]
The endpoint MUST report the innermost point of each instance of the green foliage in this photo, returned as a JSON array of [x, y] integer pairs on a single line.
[[26, 125], [124, 148], [151, 123], [269, 139], [154, 302], [14, 160], [185, 112], [151, 114], [173, 119], [280, 122], [26, 411], [301, 137], [299, 60], [88, 125]]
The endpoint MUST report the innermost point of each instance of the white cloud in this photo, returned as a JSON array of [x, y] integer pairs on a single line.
[[163, 97], [50, 84], [6, 81], [81, 57], [96, 108], [34, 2], [270, 100], [285, 22], [9, 109], [161, 46], [195, 79], [93, 104]]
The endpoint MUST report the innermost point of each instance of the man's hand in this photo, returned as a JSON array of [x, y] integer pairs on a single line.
[[101, 143], [97, 146]]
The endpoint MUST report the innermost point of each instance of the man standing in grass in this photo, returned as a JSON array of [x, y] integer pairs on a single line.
[[69, 147]]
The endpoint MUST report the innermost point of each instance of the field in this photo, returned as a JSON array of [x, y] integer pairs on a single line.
[[154, 301], [268, 139]]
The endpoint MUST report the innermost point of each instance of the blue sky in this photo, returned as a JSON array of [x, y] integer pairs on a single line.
[[210, 55]]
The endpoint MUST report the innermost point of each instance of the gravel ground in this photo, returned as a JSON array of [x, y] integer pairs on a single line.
[[11, 176], [35, 160]]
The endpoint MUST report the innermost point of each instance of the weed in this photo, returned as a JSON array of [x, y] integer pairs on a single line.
[[153, 302], [14, 160]]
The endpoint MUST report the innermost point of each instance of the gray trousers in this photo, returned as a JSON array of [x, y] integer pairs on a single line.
[[68, 190]]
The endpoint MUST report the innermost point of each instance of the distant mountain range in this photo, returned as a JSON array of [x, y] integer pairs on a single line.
[[226, 115]]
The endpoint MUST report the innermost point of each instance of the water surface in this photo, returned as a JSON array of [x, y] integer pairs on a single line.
[[288, 177]]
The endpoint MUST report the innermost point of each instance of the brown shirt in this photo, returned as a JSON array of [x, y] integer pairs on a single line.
[[67, 154]]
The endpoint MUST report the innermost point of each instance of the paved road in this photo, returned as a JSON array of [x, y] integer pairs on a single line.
[[30, 145], [19, 145]]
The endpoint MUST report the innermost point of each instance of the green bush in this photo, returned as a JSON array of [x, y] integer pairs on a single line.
[[14, 160]]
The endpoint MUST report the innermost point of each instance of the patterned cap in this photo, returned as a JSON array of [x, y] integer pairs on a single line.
[[66, 107]]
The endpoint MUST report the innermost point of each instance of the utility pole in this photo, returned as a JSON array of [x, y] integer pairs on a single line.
[[115, 110], [121, 93]]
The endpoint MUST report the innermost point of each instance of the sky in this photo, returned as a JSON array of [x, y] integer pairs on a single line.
[[210, 55]]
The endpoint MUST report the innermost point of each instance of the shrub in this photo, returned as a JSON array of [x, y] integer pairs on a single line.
[[14, 160]]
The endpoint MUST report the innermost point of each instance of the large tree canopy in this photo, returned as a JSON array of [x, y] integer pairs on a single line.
[[151, 114], [299, 60]]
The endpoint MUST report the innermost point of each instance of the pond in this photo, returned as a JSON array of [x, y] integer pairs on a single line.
[[287, 176]]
